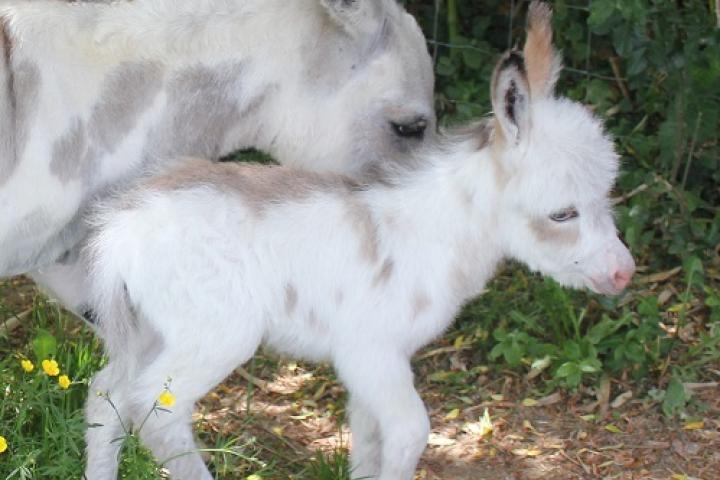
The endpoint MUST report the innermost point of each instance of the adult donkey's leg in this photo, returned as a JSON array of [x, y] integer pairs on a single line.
[[67, 281]]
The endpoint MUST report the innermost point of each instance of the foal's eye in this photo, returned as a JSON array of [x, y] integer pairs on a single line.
[[414, 129], [564, 215]]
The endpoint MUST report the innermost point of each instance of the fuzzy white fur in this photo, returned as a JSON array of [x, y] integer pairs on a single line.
[[191, 276]]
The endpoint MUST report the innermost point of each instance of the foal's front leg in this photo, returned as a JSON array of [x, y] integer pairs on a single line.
[[383, 383], [366, 441]]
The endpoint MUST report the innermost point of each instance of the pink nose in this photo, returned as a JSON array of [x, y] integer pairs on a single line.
[[622, 278]]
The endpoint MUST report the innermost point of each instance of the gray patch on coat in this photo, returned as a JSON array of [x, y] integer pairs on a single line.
[[203, 108], [68, 153], [128, 91], [260, 186], [7, 105], [383, 275], [291, 299], [24, 91]]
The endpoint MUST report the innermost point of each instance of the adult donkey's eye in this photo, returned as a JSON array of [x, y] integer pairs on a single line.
[[564, 215], [414, 129]]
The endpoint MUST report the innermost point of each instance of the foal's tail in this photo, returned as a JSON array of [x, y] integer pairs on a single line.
[[116, 321]]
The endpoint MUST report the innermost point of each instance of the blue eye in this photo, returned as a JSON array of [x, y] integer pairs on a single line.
[[564, 215]]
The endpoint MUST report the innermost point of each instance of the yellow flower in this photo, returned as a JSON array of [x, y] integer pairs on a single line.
[[27, 365], [3, 444], [64, 382], [51, 368], [166, 399]]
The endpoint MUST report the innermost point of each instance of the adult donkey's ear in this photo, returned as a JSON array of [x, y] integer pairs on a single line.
[[511, 98], [356, 17]]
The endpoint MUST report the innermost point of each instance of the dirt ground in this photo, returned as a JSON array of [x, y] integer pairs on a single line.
[[295, 410], [553, 437]]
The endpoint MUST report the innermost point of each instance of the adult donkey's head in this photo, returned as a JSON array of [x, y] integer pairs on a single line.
[[372, 88]]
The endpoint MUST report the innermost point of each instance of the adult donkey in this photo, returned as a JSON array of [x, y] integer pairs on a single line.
[[93, 94]]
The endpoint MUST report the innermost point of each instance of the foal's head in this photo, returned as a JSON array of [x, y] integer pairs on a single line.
[[556, 168]]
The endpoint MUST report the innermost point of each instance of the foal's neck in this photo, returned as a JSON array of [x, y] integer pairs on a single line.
[[446, 208]]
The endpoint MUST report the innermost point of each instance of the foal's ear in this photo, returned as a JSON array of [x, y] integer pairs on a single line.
[[356, 17], [542, 61], [511, 98]]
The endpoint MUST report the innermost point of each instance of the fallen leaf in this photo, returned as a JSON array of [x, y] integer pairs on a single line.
[[612, 428], [486, 425], [436, 440], [527, 452], [694, 425], [453, 414], [529, 402], [621, 399], [551, 399]]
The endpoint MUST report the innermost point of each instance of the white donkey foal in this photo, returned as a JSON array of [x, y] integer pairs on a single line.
[[195, 269], [93, 94]]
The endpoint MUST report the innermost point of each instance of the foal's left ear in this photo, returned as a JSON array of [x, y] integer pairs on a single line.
[[511, 98], [356, 17], [542, 61]]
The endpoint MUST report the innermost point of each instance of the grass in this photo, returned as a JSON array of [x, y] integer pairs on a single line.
[[44, 427]]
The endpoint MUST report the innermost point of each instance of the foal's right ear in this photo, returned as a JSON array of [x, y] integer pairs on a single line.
[[511, 98]]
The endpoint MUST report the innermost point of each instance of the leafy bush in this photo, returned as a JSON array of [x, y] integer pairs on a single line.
[[651, 70]]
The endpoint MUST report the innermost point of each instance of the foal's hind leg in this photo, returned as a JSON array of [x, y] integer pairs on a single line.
[[106, 421], [193, 368]]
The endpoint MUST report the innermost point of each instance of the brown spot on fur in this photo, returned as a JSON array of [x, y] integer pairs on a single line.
[[477, 133], [312, 319], [291, 299], [542, 62], [362, 220], [261, 186], [385, 272], [421, 303], [547, 232]]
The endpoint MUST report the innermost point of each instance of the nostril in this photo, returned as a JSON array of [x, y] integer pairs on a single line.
[[622, 279]]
